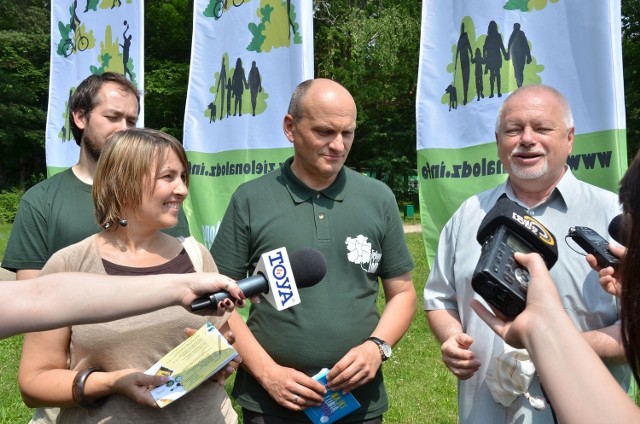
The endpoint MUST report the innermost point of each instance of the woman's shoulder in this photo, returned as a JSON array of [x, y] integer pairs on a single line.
[[75, 257], [199, 254], [80, 246]]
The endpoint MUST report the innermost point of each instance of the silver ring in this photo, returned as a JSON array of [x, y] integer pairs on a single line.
[[295, 399]]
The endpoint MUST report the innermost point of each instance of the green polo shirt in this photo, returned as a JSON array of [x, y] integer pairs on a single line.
[[356, 224]]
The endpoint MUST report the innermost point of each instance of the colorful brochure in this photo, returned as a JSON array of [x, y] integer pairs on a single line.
[[191, 363], [335, 405]]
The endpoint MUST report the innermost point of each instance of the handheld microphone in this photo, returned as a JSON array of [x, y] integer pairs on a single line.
[[276, 277], [498, 278], [619, 229]]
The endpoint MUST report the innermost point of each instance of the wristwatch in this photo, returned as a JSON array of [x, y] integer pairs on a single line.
[[385, 349]]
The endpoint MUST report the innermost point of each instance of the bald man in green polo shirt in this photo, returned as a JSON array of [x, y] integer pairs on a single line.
[[313, 200]]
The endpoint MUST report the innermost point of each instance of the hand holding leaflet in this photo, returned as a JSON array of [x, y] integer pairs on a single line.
[[334, 406], [191, 363]]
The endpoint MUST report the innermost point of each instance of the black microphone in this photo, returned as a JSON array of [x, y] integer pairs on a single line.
[[619, 229], [275, 279]]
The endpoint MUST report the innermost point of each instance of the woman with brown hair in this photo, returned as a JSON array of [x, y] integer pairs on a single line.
[[93, 371]]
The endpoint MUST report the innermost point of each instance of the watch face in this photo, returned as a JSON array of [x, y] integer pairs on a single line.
[[386, 350]]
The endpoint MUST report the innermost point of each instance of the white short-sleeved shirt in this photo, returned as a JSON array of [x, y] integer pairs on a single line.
[[448, 286]]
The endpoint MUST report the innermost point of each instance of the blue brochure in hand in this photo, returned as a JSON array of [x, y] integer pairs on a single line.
[[335, 405]]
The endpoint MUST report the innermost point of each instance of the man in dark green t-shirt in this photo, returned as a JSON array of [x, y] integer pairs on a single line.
[[58, 211], [315, 201]]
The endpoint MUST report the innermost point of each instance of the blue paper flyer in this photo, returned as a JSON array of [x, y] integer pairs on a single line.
[[335, 405]]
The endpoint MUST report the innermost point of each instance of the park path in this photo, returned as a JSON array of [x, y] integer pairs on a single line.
[[7, 275]]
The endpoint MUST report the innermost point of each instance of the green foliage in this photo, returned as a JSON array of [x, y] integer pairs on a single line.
[[5, 230], [165, 93], [24, 73], [631, 71], [9, 201], [168, 26], [372, 48]]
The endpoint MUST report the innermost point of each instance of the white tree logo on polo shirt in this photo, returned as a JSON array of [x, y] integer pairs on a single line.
[[360, 252]]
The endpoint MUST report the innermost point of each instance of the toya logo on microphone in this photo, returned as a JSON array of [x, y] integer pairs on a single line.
[[535, 227], [275, 266]]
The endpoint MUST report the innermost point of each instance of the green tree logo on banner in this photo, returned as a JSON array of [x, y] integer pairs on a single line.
[[277, 24], [527, 5]]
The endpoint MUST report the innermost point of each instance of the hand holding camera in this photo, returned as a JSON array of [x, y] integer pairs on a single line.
[[499, 278], [543, 305]]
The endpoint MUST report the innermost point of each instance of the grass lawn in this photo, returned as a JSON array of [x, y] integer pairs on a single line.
[[5, 229], [421, 389]]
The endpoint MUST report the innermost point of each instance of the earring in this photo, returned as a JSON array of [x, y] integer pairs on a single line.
[[123, 222], [106, 225]]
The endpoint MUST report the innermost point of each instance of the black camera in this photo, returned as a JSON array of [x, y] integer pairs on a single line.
[[594, 243], [498, 277]]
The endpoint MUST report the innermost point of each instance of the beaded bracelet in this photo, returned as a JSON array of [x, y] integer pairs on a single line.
[[77, 389]]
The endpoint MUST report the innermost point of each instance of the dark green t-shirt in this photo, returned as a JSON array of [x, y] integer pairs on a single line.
[[53, 214], [356, 224]]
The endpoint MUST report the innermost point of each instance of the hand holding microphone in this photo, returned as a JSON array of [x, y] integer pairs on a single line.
[[609, 276], [276, 277], [619, 230], [604, 257]]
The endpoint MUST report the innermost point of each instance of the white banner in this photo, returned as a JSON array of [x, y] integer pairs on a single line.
[[88, 37], [247, 57], [473, 54]]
